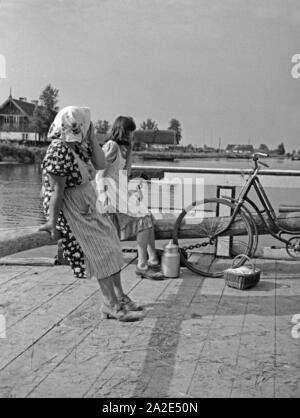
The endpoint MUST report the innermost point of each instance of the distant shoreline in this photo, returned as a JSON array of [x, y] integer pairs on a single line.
[[23, 154], [172, 155]]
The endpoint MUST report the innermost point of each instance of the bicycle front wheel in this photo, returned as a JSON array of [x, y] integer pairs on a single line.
[[209, 239]]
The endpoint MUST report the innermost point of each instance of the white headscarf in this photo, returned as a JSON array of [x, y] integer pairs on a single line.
[[71, 124]]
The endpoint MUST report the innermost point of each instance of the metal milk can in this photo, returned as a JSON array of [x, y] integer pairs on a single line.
[[170, 262]]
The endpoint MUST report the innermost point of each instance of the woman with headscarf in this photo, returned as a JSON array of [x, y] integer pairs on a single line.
[[89, 239]]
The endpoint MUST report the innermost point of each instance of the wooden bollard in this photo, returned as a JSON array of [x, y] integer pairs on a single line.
[[21, 239]]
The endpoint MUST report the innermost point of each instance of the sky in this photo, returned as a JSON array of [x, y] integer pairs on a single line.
[[221, 67]]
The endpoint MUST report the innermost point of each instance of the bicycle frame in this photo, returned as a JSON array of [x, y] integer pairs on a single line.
[[271, 224]]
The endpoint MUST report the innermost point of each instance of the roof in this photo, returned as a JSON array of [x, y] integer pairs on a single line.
[[167, 137], [244, 147], [146, 137], [25, 107]]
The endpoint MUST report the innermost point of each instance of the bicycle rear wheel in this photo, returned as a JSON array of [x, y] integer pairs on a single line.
[[209, 240]]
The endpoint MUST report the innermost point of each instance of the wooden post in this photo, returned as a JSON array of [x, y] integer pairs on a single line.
[[224, 246], [60, 259]]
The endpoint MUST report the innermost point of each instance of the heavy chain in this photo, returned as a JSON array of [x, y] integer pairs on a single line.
[[129, 250], [188, 247], [196, 246]]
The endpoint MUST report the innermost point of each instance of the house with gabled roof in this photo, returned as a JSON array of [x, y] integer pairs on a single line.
[[16, 120], [240, 149], [155, 139], [147, 139]]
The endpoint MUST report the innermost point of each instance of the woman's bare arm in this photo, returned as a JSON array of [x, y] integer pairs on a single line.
[[55, 205], [98, 157], [129, 161]]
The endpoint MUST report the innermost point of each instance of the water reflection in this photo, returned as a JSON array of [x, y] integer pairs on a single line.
[[20, 203]]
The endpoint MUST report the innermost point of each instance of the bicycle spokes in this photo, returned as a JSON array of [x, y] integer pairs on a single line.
[[204, 231]]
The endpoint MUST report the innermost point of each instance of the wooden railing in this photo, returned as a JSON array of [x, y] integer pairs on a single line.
[[21, 239], [220, 171]]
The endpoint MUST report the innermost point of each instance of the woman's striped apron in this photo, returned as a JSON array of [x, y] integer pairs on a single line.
[[94, 232]]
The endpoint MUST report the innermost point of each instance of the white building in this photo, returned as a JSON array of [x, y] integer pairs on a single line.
[[16, 120]]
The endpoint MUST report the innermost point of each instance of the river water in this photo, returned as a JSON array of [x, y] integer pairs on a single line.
[[20, 185]]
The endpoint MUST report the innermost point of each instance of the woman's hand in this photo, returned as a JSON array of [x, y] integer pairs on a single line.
[[49, 227], [90, 138], [98, 157]]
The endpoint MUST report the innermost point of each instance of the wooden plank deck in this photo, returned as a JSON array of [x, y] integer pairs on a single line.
[[198, 339]]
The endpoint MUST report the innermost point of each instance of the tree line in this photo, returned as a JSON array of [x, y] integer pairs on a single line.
[[47, 108], [103, 127]]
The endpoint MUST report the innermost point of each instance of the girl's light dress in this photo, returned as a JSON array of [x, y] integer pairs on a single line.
[[127, 211]]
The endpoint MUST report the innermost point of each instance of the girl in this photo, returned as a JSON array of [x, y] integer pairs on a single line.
[[129, 219], [89, 239]]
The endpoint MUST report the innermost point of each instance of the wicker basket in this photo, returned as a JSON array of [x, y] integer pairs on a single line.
[[242, 277]]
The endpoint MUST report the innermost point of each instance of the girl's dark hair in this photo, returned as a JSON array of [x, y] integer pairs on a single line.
[[121, 129]]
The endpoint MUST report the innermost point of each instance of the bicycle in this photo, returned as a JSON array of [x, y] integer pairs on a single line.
[[211, 231]]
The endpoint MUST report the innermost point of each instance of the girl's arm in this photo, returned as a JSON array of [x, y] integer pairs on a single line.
[[128, 161], [55, 205], [98, 157]]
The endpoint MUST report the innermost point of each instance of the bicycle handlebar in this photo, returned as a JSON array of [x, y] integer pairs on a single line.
[[256, 155]]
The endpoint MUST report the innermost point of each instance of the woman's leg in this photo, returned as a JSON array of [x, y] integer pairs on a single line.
[[153, 259], [142, 244], [108, 291], [143, 268], [119, 292], [114, 307], [125, 300]]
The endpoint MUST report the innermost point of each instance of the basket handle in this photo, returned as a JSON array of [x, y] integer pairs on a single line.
[[243, 256]]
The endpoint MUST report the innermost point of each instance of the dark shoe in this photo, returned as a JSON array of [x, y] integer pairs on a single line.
[[159, 253], [129, 304], [118, 312], [155, 267], [149, 274]]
